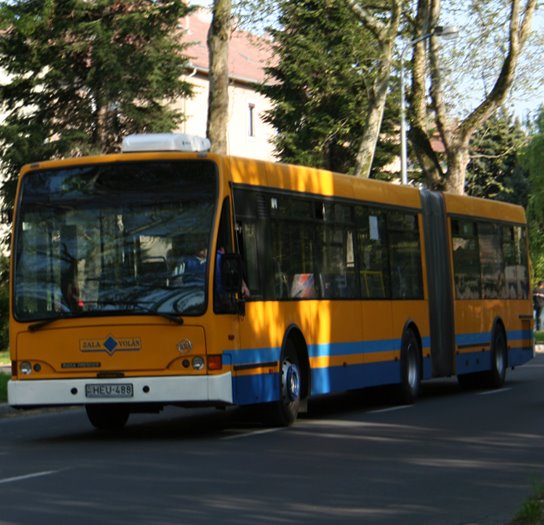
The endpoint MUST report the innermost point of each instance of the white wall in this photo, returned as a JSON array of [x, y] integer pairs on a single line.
[[239, 140]]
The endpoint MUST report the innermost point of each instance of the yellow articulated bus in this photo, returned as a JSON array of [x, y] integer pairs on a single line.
[[159, 277]]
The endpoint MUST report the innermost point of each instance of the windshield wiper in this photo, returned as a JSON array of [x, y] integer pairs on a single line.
[[40, 324], [170, 317]]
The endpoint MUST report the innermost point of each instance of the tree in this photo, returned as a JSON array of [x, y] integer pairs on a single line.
[[218, 91], [383, 23], [319, 86], [532, 160], [83, 74], [456, 134], [494, 170]]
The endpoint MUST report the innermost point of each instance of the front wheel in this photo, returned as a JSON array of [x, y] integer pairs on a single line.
[[285, 411], [107, 417]]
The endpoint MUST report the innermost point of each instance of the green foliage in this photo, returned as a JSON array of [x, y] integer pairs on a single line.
[[4, 303], [319, 85], [4, 378], [532, 161], [494, 171], [532, 510], [83, 74]]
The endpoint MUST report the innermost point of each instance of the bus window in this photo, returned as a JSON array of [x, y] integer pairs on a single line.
[[372, 253], [293, 255], [405, 255], [248, 245], [223, 302], [491, 260], [466, 259], [337, 272], [515, 262]]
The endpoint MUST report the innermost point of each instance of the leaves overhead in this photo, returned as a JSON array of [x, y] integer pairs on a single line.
[[319, 86], [81, 74]]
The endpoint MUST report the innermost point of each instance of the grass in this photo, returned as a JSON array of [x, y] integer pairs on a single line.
[[539, 338], [4, 378], [4, 357], [532, 510]]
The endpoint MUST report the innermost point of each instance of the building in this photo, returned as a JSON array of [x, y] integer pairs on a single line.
[[247, 134]]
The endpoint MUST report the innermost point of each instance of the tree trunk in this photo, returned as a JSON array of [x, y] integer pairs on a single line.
[[458, 159], [385, 33], [367, 146], [100, 138], [418, 133], [218, 94]]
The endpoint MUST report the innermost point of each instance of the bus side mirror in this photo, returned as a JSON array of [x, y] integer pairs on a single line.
[[231, 273]]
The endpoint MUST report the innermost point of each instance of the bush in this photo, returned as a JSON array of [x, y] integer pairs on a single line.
[[532, 510], [4, 378]]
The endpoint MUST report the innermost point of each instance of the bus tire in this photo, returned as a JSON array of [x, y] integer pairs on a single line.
[[107, 417], [410, 369], [284, 412], [496, 377]]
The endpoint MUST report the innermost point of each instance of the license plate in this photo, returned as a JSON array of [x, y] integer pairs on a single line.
[[109, 391]]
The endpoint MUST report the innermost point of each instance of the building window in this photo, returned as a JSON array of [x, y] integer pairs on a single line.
[[251, 119]]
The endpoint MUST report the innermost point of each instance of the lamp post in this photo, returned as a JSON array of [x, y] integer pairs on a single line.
[[442, 31]]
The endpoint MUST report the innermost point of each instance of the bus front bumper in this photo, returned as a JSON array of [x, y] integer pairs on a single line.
[[206, 390]]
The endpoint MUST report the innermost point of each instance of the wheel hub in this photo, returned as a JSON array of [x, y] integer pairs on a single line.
[[291, 381]]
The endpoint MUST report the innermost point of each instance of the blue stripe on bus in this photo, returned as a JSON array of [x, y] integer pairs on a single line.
[[266, 355], [473, 339], [357, 347], [250, 356], [263, 388], [478, 338], [518, 335], [260, 388]]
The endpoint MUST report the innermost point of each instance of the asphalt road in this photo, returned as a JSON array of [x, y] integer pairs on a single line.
[[456, 457]]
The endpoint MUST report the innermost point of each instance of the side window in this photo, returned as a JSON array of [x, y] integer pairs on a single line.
[[520, 235], [515, 262], [338, 279], [372, 253], [252, 233], [405, 255], [293, 256], [222, 302], [466, 260], [491, 260]]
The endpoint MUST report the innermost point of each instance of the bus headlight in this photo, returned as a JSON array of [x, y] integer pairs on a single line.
[[198, 363], [26, 368]]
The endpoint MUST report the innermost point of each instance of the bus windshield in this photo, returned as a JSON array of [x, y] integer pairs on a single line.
[[120, 238]]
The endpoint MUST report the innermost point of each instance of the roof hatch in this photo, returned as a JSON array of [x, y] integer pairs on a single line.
[[164, 142]]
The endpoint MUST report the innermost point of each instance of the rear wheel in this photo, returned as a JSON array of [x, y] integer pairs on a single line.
[[107, 417], [496, 376], [410, 364], [499, 361]]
